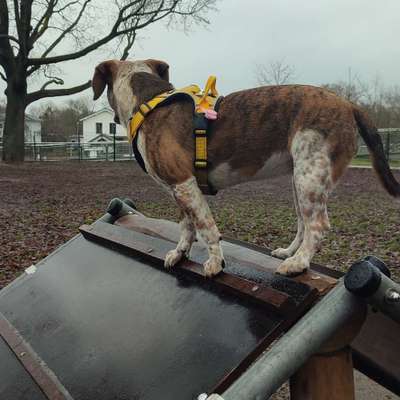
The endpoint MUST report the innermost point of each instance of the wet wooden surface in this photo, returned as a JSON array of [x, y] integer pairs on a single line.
[[233, 252], [375, 350]]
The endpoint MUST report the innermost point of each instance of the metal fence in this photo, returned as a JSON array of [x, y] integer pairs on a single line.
[[391, 144], [61, 151], [122, 150]]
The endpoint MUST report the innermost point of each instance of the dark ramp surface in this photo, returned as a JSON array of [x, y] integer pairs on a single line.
[[113, 327], [15, 383]]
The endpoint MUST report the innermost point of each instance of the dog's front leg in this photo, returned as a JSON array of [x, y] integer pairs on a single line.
[[188, 235], [193, 204]]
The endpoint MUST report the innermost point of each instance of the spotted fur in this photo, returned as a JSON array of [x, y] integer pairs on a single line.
[[271, 131], [195, 209]]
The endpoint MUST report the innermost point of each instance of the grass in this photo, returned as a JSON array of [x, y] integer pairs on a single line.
[[366, 162]]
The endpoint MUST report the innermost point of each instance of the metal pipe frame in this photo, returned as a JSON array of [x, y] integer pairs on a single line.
[[290, 352], [370, 280], [387, 298]]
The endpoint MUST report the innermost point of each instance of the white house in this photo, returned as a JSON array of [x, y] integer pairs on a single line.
[[100, 127], [33, 128]]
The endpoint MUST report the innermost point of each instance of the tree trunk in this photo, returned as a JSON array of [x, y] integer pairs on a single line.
[[14, 127]]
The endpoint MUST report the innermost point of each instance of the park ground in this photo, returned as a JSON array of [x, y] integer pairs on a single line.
[[43, 204]]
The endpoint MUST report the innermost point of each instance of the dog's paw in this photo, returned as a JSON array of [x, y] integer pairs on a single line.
[[281, 253], [213, 266], [172, 258], [292, 266]]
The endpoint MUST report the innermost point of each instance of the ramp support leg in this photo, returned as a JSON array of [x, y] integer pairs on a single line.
[[325, 376], [329, 373]]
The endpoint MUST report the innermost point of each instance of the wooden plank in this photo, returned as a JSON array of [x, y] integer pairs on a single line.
[[36, 368], [232, 248], [154, 250]]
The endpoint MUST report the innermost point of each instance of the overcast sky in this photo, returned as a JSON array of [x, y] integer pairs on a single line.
[[321, 39]]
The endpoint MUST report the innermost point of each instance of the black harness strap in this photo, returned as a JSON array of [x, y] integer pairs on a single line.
[[137, 154], [201, 127]]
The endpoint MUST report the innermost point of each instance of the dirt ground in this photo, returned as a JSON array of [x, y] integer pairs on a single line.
[[43, 204]]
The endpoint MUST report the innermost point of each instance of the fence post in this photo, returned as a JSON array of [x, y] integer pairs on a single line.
[[34, 146], [388, 146], [114, 145]]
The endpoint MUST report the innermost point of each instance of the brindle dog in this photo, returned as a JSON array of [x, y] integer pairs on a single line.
[[305, 131]]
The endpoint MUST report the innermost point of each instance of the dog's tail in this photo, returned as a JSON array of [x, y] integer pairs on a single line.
[[373, 141]]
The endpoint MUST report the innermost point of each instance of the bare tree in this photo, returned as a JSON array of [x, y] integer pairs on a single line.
[[353, 88], [382, 103], [275, 73], [35, 33]]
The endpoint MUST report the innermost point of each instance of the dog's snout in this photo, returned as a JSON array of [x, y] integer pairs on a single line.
[[116, 119]]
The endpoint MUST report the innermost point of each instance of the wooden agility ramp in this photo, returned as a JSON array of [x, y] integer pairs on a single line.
[[100, 318]]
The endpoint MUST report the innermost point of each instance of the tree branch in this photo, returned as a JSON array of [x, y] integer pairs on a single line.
[[43, 23], [57, 81], [10, 37], [130, 40], [67, 30], [24, 27], [2, 76], [40, 94], [155, 15], [6, 53], [17, 16], [61, 9]]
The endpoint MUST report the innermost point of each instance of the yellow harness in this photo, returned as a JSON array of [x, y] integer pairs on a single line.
[[203, 101]]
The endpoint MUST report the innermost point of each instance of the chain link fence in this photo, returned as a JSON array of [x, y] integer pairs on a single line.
[[391, 144], [62, 151], [122, 150]]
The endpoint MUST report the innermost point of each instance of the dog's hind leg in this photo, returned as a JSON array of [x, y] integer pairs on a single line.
[[188, 236], [193, 204], [313, 181], [289, 251]]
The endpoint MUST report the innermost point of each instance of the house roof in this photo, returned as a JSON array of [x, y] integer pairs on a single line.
[[105, 137], [97, 113]]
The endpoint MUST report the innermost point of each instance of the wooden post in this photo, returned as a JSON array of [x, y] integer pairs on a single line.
[[325, 376], [329, 374]]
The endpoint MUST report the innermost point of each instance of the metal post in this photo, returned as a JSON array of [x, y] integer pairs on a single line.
[[34, 146], [114, 145], [79, 141], [273, 368], [388, 146]]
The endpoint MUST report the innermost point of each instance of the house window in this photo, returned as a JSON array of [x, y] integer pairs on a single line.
[[99, 127], [113, 128]]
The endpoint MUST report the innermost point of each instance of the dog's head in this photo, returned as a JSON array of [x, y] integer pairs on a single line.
[[129, 84]]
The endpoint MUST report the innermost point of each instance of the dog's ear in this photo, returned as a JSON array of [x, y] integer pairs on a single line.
[[103, 75], [161, 68], [145, 86]]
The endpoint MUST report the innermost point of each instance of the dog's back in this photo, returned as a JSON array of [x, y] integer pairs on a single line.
[[253, 134]]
